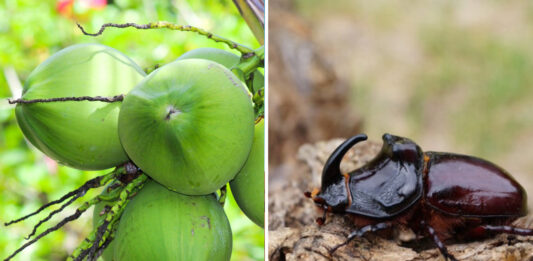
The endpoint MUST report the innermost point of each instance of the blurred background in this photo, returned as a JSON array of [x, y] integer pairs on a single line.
[[31, 31], [453, 76]]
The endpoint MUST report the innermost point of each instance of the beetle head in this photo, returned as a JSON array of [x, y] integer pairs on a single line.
[[334, 194]]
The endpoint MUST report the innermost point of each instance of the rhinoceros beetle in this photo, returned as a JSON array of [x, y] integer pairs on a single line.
[[440, 195]]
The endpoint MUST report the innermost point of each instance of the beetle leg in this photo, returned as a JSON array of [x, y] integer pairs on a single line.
[[507, 230], [360, 232], [440, 245]]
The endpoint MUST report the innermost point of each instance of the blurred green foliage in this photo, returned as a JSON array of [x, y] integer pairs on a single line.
[[30, 31], [459, 71], [493, 74]]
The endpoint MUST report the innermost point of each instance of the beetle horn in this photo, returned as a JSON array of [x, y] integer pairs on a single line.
[[332, 171]]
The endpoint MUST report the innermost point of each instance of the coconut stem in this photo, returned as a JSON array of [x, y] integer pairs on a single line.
[[259, 100], [149, 70], [115, 98], [223, 194], [93, 183], [74, 216], [93, 245], [187, 28], [53, 213], [107, 241], [250, 62]]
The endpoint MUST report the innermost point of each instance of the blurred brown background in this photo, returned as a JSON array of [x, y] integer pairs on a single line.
[[453, 76]]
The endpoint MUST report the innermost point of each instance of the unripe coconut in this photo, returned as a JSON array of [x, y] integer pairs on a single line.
[[80, 134], [189, 125], [225, 58], [159, 224], [248, 187]]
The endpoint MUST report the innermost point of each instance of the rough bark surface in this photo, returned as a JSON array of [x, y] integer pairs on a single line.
[[294, 234]]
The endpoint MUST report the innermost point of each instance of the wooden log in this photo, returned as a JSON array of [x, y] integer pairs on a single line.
[[294, 234]]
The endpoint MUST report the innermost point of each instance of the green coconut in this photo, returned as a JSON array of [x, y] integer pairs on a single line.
[[79, 134], [225, 58], [248, 187], [189, 125], [159, 224]]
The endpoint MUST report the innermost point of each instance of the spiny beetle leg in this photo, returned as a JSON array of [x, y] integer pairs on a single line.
[[440, 245], [361, 232], [508, 230]]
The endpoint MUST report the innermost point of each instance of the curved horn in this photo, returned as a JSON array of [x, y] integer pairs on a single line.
[[332, 172]]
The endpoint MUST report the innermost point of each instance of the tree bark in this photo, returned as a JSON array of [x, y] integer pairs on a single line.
[[294, 234]]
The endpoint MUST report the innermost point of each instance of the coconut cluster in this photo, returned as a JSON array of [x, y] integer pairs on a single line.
[[189, 125]]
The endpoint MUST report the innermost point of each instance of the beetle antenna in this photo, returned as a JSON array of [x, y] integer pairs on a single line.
[[332, 173]]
